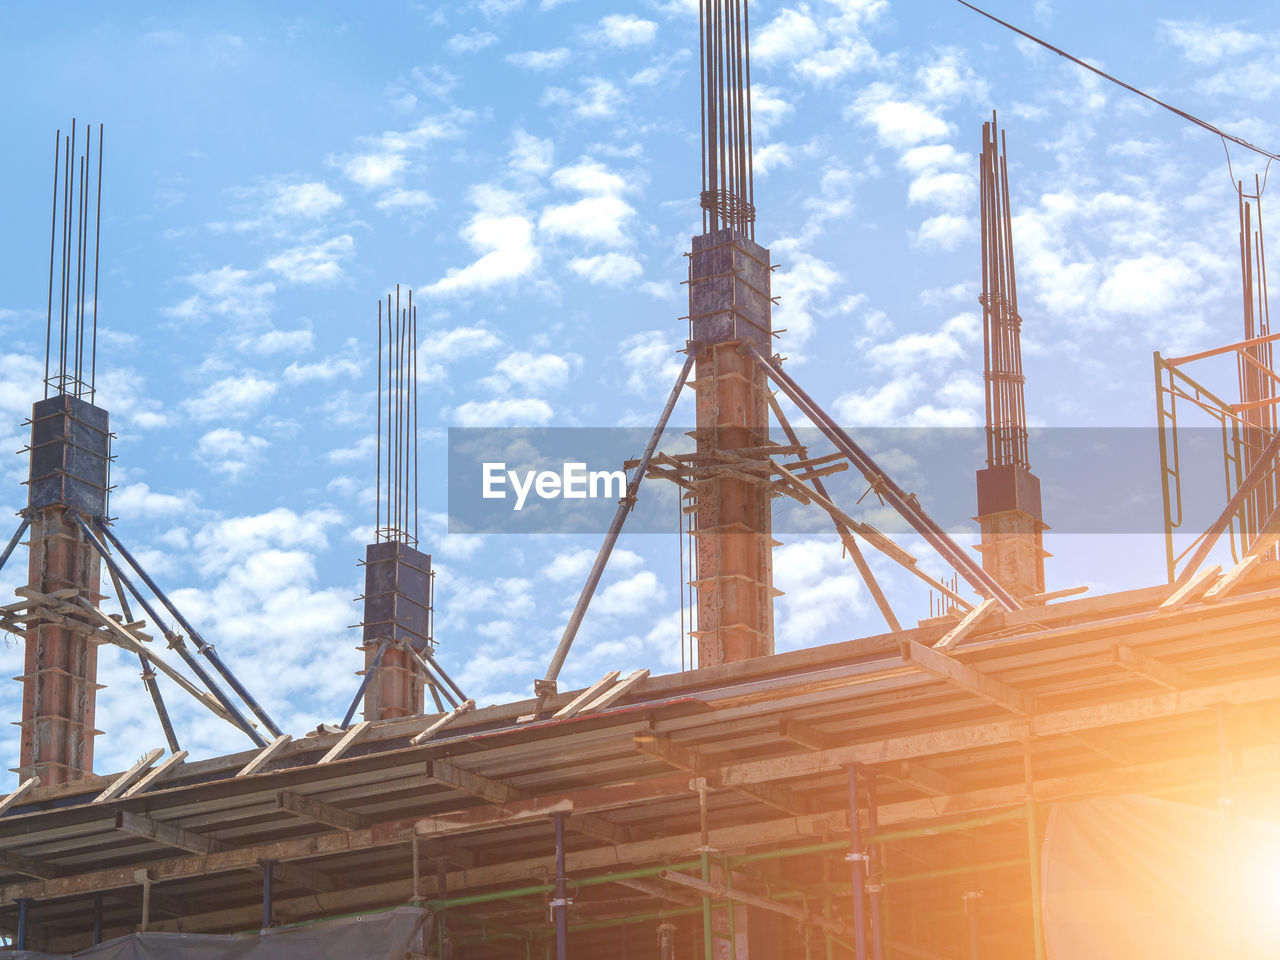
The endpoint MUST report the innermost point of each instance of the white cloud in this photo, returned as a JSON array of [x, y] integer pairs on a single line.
[[229, 451], [651, 361], [331, 368], [277, 341], [230, 397], [316, 263], [502, 235], [530, 154], [471, 42], [371, 170], [531, 372], [610, 269], [401, 199], [946, 231], [552, 59], [310, 200], [770, 156], [785, 37], [1204, 43], [800, 288], [631, 597], [597, 100], [600, 217], [626, 30], [899, 123], [574, 563], [460, 342], [225, 292], [877, 406], [138, 500], [528, 412]]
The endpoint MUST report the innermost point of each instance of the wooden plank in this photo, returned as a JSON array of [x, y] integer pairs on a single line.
[[156, 774], [343, 745], [17, 863], [261, 758], [465, 707], [615, 693], [967, 624], [684, 758], [1232, 578], [967, 678], [1049, 596], [319, 811], [500, 792], [576, 704], [171, 836], [915, 774], [120, 783], [23, 789], [1135, 661], [1193, 589]]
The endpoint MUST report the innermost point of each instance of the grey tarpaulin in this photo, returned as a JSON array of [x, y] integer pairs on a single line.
[[375, 936], [1133, 877]]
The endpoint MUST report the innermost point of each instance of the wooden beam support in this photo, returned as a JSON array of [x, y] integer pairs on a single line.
[[119, 785], [1193, 589], [615, 692], [320, 811], [263, 756], [348, 740], [1135, 661], [586, 696], [691, 761], [439, 724], [968, 623], [967, 678], [170, 836], [1233, 577], [497, 791], [156, 774], [909, 772], [17, 863], [23, 789]]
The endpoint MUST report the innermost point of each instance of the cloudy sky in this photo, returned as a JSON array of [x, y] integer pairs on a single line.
[[530, 169]]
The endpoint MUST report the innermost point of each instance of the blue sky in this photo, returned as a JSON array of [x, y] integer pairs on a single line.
[[530, 169]]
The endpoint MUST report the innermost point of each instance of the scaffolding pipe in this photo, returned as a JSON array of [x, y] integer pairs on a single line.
[[704, 836], [175, 641], [857, 858], [148, 673], [1033, 853], [625, 506], [14, 541], [560, 905], [832, 846], [902, 502], [97, 919], [876, 886], [268, 869], [205, 648], [364, 684], [24, 916]]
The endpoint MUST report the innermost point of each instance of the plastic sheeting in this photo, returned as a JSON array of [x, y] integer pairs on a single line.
[[376, 936], [1133, 877]]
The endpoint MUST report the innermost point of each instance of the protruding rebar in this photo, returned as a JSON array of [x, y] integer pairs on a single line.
[[396, 513], [728, 193], [74, 373]]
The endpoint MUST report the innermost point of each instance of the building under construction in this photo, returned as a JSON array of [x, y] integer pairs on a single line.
[[999, 780]]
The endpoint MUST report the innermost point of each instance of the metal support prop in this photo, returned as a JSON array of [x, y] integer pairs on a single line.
[[705, 863], [97, 919], [14, 541], [210, 684], [205, 648], [268, 869], [442, 890], [1033, 853], [430, 672], [560, 905], [148, 673], [858, 859], [625, 506], [876, 886], [24, 915], [921, 522], [970, 898], [364, 683]]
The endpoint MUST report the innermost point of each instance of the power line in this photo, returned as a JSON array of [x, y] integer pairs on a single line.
[[1204, 124]]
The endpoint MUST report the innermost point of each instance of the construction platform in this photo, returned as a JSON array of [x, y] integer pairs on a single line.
[[968, 730]]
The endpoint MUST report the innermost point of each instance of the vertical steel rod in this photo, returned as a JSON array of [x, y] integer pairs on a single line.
[[24, 916], [1033, 852], [876, 874], [442, 893], [97, 919], [561, 907], [53, 232], [268, 868], [858, 861]]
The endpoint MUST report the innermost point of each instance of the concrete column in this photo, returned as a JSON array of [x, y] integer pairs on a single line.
[[397, 606], [69, 455], [729, 307]]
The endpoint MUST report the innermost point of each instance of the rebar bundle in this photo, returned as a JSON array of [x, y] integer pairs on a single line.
[[1001, 322], [396, 516], [728, 195], [76, 198]]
